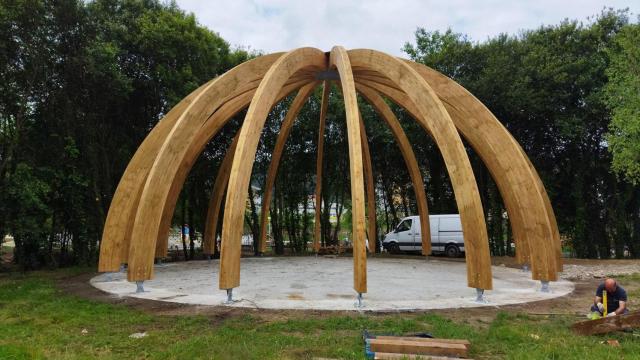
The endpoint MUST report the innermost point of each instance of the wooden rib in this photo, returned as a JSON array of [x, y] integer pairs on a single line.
[[215, 202], [515, 215], [209, 129], [239, 96], [114, 246], [516, 184], [243, 160], [410, 160], [276, 155], [509, 165], [340, 60], [185, 142], [370, 184], [317, 227], [453, 152]]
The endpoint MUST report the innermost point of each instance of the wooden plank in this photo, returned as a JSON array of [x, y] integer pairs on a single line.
[[464, 342], [276, 155], [339, 59], [418, 347], [317, 227], [392, 356], [371, 193], [443, 131], [608, 324], [409, 157], [249, 136]]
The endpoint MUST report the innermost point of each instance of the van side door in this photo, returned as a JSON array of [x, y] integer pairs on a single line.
[[434, 225], [450, 231], [405, 234]]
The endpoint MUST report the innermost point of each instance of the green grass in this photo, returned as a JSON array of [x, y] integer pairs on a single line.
[[39, 322]]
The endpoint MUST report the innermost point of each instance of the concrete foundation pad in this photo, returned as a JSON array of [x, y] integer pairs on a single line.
[[323, 283]]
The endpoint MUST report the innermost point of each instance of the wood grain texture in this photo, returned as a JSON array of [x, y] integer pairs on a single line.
[[410, 160], [418, 347], [276, 155], [243, 160], [215, 202], [317, 226], [339, 60], [370, 189], [446, 137]]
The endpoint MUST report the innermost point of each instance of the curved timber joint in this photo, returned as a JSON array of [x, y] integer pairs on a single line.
[[328, 75]]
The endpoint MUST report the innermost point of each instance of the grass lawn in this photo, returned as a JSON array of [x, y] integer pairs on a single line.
[[38, 321]]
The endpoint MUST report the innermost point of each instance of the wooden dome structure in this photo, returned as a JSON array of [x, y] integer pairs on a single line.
[[138, 222]]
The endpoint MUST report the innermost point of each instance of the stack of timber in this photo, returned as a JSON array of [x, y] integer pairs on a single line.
[[395, 347], [609, 324]]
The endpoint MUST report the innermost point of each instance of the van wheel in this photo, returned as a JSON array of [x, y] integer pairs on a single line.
[[393, 248], [452, 251]]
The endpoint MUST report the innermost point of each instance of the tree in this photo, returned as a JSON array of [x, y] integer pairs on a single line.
[[623, 98]]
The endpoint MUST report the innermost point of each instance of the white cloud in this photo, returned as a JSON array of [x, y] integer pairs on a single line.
[[280, 25]]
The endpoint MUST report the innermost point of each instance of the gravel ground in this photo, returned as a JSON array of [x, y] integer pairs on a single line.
[[585, 272]]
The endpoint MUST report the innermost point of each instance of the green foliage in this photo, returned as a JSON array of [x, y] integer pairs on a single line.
[[82, 83], [547, 87], [623, 98]]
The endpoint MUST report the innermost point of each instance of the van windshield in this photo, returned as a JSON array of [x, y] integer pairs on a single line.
[[404, 226]]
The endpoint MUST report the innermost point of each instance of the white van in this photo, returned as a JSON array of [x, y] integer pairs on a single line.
[[446, 235]]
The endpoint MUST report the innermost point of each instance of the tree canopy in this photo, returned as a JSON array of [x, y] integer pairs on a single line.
[[82, 84]]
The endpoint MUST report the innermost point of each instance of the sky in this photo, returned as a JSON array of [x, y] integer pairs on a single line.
[[280, 25]]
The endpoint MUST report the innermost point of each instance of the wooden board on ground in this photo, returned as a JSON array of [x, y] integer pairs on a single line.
[[466, 343], [608, 324], [391, 356], [418, 347]]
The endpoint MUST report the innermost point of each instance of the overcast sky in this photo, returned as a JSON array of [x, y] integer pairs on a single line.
[[279, 25]]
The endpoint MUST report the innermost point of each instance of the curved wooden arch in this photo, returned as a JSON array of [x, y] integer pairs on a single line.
[[339, 59], [260, 106], [502, 156], [114, 247], [272, 172], [409, 158], [317, 225], [215, 202], [453, 152], [370, 189]]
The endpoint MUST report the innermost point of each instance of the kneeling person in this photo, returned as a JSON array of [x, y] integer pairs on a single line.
[[616, 299]]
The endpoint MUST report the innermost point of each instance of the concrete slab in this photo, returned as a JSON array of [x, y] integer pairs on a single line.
[[326, 284]]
